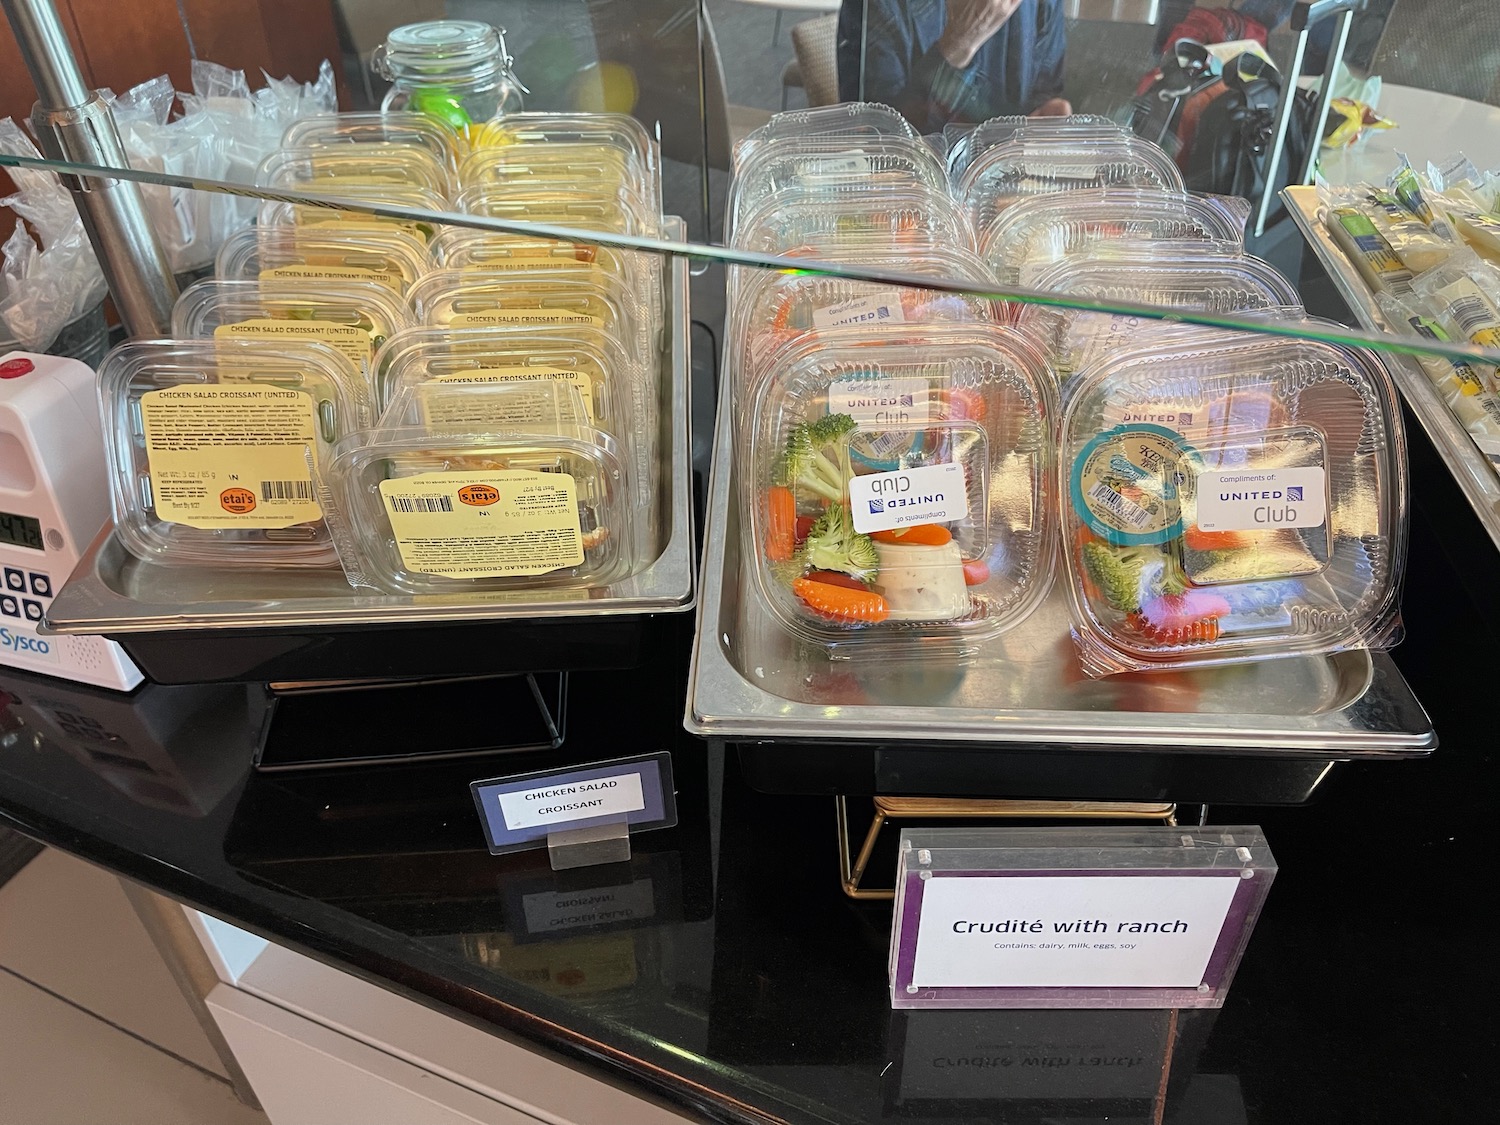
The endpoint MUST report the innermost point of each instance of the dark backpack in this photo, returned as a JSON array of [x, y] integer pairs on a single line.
[[1218, 123]]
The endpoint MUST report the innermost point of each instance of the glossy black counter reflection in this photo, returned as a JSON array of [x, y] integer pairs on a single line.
[[721, 969]]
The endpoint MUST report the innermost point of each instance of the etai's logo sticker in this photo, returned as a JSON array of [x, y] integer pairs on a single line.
[[478, 495], [237, 500]]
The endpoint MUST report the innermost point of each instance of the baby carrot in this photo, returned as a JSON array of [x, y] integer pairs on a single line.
[[781, 524], [922, 534], [841, 604]]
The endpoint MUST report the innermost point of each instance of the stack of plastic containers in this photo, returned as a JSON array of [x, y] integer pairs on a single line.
[[441, 411], [907, 481], [893, 443]]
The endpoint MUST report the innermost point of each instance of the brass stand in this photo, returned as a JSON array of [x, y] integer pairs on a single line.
[[947, 808]]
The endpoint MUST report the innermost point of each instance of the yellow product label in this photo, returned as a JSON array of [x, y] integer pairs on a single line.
[[231, 457], [520, 246], [305, 271], [497, 318], [502, 416], [351, 341], [485, 525]]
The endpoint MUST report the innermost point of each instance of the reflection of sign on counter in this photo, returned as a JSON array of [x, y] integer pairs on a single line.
[[544, 906], [576, 967]]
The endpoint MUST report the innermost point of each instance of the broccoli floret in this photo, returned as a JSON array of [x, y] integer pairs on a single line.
[[833, 544], [816, 457], [1118, 575]]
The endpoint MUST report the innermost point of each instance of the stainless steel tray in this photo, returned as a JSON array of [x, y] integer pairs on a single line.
[[1473, 471], [113, 593], [752, 681]]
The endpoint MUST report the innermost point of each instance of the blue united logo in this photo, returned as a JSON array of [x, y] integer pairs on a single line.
[[876, 507], [1294, 492]]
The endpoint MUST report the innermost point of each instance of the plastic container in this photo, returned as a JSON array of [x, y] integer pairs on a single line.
[[1204, 277], [457, 71], [418, 130], [966, 144], [355, 317], [898, 496], [421, 512], [589, 300], [1029, 165], [850, 122], [183, 497], [910, 220], [338, 220], [1230, 497], [598, 368], [326, 167], [1036, 232], [278, 254]]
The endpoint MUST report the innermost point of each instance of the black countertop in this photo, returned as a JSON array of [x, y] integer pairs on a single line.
[[736, 981]]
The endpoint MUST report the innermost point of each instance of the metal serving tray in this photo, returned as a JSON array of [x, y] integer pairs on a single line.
[[1475, 474], [153, 608], [751, 680]]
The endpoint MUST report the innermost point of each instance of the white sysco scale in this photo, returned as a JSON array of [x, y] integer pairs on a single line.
[[54, 498]]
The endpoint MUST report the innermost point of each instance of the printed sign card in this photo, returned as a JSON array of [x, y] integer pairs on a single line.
[[1128, 917]]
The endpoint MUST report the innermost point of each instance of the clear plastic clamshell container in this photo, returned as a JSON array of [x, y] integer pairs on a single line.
[[598, 368], [337, 219], [849, 122], [899, 495], [1025, 166], [210, 444], [449, 506], [828, 170], [1232, 497], [373, 165], [588, 300], [383, 255], [531, 132], [912, 219], [1036, 232], [1204, 277], [355, 317], [966, 144], [414, 130], [770, 310]]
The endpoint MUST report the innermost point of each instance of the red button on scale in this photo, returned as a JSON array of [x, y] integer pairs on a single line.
[[15, 368]]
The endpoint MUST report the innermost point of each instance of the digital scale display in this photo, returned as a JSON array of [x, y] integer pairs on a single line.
[[21, 531]]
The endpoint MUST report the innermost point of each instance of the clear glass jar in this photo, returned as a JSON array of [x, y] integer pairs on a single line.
[[455, 70]]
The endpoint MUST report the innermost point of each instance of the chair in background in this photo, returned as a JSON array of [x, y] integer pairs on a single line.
[[815, 42]]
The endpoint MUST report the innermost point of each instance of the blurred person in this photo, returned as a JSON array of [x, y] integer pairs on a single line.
[[944, 61]]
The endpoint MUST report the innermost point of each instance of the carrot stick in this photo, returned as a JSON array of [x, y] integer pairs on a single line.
[[781, 524], [840, 603], [922, 534]]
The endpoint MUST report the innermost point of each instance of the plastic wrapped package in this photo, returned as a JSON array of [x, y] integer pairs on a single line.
[[355, 317], [415, 130], [1469, 394], [437, 509], [211, 444], [1229, 498], [1035, 232], [381, 254], [330, 167], [1205, 277], [900, 492], [52, 281]]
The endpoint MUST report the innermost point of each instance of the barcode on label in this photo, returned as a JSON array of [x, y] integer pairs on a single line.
[[422, 503], [1472, 315], [1122, 506], [286, 490]]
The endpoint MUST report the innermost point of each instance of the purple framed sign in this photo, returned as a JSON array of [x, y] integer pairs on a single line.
[[1154, 917]]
